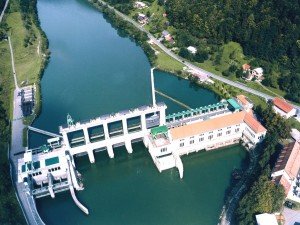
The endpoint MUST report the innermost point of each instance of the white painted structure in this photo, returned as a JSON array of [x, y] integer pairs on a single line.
[[266, 219], [295, 134], [139, 5], [192, 49], [167, 144], [148, 116], [258, 72]]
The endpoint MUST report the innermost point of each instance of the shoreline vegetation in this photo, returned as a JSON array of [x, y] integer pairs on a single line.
[[30, 46], [126, 29]]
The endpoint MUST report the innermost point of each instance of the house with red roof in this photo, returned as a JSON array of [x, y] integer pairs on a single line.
[[283, 108]]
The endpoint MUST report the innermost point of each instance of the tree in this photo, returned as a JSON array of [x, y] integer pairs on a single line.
[[184, 53], [263, 197]]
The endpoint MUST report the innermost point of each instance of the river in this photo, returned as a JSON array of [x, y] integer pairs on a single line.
[[94, 71]]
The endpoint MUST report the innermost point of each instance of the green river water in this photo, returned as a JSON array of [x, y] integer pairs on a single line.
[[95, 71]]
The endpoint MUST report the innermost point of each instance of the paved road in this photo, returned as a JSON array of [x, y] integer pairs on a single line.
[[3, 11], [26, 201], [187, 64]]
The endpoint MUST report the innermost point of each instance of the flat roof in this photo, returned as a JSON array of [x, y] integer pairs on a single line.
[[158, 130], [234, 104]]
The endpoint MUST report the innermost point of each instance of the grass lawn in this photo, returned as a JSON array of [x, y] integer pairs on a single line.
[[6, 78], [27, 60], [165, 62]]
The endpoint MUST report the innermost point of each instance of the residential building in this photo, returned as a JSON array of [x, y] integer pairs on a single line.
[[246, 67], [142, 18], [140, 5], [258, 73], [283, 108], [286, 170]]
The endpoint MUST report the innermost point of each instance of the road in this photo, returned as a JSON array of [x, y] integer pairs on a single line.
[[189, 65], [26, 201], [3, 11]]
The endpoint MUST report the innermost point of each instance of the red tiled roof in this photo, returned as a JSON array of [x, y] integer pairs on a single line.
[[254, 124], [242, 99], [246, 67], [282, 104], [217, 123], [284, 182]]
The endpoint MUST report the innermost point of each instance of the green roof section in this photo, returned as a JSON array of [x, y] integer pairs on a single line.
[[51, 161], [199, 110], [234, 104], [36, 165], [159, 130]]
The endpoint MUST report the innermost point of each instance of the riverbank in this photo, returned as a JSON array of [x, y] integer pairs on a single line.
[[30, 48]]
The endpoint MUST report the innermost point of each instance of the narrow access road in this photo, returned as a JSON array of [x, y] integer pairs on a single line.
[[188, 64], [13, 63]]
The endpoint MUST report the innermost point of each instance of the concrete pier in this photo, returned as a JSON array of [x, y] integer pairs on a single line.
[[110, 151], [91, 156]]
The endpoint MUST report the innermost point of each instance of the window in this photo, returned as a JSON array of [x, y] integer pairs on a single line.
[[191, 141], [210, 132], [237, 130], [201, 139], [219, 134], [181, 144], [228, 132], [228, 127], [163, 150], [210, 137]]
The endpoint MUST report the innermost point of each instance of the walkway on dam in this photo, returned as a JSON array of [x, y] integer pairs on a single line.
[[172, 99]]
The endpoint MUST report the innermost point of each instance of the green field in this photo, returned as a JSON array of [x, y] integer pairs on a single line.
[[167, 63], [27, 60], [6, 78]]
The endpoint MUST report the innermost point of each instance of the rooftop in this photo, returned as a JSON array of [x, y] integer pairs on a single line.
[[246, 67], [289, 159], [266, 219], [234, 104], [254, 124], [158, 130], [217, 123], [282, 104], [207, 125], [243, 99]]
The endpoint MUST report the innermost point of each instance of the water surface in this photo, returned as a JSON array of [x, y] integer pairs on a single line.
[[94, 71]]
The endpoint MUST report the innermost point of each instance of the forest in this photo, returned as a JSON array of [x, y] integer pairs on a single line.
[[268, 31], [2, 3]]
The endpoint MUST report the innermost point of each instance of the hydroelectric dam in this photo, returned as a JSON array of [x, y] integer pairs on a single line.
[[51, 168]]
